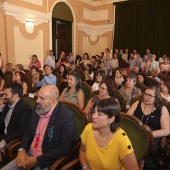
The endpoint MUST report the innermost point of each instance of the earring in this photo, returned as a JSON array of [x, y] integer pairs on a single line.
[[109, 123]]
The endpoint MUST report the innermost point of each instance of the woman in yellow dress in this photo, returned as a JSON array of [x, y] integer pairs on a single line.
[[104, 145]]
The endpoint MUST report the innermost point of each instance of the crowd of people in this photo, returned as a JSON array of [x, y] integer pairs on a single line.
[[106, 75]]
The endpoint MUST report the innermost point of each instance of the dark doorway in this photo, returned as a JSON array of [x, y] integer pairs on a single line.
[[62, 29]]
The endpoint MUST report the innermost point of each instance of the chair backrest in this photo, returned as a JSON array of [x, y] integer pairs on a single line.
[[87, 89], [59, 79], [114, 83], [137, 98], [166, 104], [27, 71], [141, 86], [121, 100], [79, 117], [30, 99], [29, 81], [8, 77], [81, 74], [139, 134], [151, 81]]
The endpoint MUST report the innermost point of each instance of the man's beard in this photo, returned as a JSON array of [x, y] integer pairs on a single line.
[[7, 102], [41, 111]]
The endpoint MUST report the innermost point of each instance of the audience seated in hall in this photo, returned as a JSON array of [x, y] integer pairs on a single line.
[[89, 74], [145, 61], [165, 89], [100, 76], [118, 78], [106, 90], [129, 90], [154, 74], [73, 92], [19, 67], [35, 63], [34, 74], [151, 112], [133, 61], [48, 79], [85, 59], [9, 67], [50, 60], [20, 77], [50, 135], [15, 115], [154, 63]]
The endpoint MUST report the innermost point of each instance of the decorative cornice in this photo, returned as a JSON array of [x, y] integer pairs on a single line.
[[37, 2], [23, 14], [101, 2], [95, 15], [94, 31]]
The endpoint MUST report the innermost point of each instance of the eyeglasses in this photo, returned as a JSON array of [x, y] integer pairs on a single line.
[[148, 95], [102, 88]]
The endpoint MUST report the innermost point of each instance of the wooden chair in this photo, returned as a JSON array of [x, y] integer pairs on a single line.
[[121, 100], [141, 86], [59, 79], [87, 89], [8, 77], [81, 74], [81, 121], [151, 81], [29, 81], [140, 135]]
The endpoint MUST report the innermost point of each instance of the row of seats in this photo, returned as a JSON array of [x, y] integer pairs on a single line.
[[134, 128]]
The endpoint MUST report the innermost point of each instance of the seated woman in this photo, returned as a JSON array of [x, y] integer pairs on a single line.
[[89, 74], [118, 78], [103, 147], [73, 93], [19, 67], [100, 76], [130, 90], [63, 72], [151, 112], [9, 67], [106, 90], [19, 77], [35, 75], [165, 89], [35, 63]]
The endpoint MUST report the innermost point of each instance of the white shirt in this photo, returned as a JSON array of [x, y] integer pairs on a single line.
[[50, 61]]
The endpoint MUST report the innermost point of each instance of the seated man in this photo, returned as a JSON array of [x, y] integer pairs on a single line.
[[15, 116], [50, 135], [48, 79]]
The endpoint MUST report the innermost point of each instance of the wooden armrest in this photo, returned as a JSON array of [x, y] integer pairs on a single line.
[[72, 165], [11, 149], [64, 160]]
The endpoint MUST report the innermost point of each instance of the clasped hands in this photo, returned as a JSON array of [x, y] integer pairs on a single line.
[[25, 161]]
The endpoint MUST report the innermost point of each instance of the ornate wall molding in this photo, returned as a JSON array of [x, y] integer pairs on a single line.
[[101, 2], [94, 31], [23, 14], [37, 2], [95, 15]]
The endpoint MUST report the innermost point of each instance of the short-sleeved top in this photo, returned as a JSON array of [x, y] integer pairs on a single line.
[[152, 120], [71, 97], [110, 156], [135, 92]]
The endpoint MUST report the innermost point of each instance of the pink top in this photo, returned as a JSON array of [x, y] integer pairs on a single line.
[[36, 146], [37, 64]]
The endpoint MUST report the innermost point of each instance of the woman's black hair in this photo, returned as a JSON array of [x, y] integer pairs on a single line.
[[111, 108], [65, 70]]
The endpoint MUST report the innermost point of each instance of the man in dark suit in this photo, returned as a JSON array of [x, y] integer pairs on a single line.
[[15, 116], [50, 135]]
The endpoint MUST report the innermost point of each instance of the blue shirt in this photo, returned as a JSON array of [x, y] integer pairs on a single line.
[[51, 79]]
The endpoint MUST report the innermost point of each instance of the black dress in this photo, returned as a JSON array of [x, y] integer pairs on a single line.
[[153, 121]]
